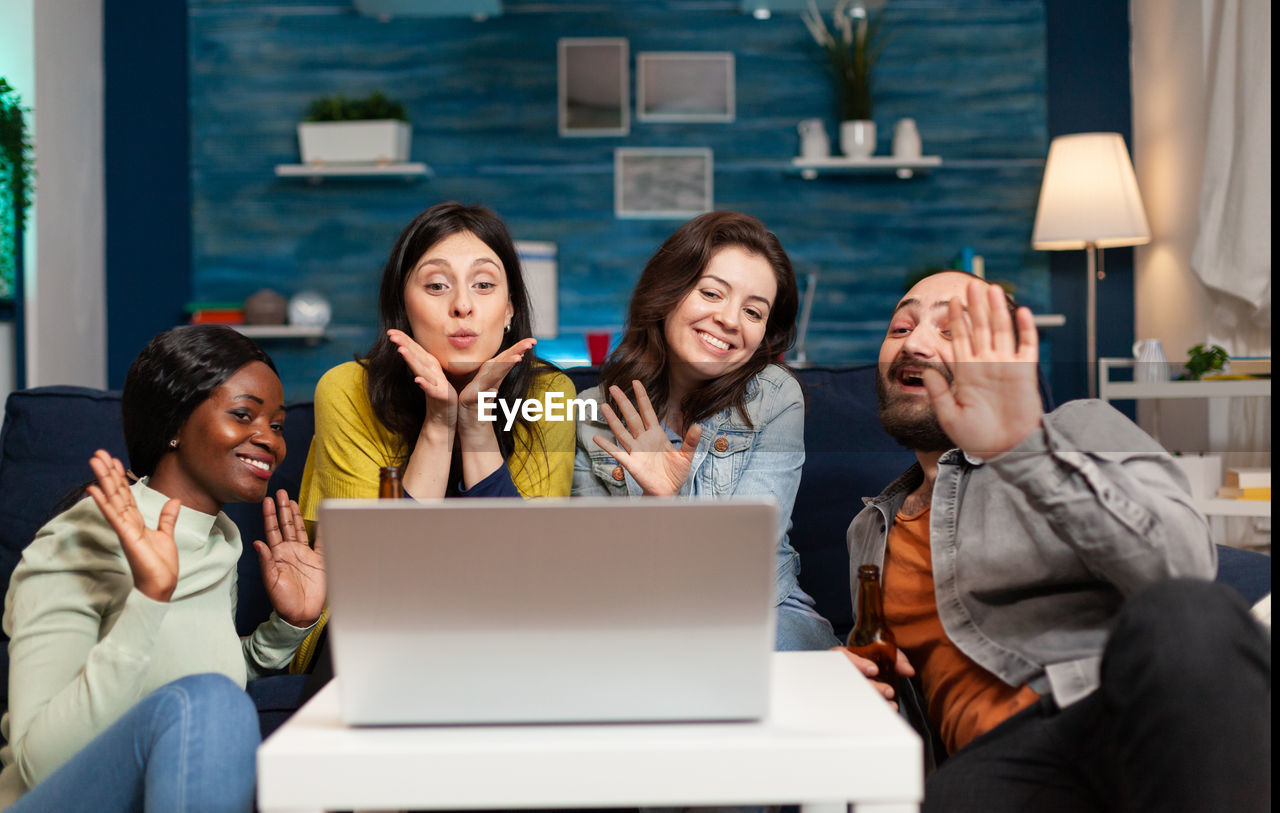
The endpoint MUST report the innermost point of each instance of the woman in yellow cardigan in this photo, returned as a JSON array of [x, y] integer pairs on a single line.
[[456, 326]]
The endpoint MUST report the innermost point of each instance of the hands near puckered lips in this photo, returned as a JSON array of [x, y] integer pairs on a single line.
[[446, 406], [643, 448], [428, 374], [487, 379], [292, 571], [994, 403], [151, 552]]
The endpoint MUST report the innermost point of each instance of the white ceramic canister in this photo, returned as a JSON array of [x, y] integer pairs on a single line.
[[813, 139], [906, 139], [1151, 365]]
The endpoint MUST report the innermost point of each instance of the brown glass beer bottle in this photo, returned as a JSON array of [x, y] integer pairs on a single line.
[[390, 487], [870, 639]]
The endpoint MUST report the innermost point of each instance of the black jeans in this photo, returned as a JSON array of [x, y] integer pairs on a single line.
[[1181, 721]]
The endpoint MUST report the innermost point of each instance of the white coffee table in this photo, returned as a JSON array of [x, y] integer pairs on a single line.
[[829, 740]]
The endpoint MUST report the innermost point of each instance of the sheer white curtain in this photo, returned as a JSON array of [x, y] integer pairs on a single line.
[[1233, 252], [1202, 151]]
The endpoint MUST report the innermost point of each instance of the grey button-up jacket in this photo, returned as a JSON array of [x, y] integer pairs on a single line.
[[1034, 551]]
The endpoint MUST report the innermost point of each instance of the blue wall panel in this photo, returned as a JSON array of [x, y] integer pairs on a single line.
[[145, 140], [482, 99]]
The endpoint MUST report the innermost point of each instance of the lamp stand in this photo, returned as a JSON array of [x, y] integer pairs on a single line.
[[1091, 320]]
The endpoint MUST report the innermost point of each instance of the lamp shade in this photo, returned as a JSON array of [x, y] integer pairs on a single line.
[[1089, 195]]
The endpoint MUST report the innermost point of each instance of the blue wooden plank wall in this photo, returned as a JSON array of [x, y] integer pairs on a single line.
[[482, 99]]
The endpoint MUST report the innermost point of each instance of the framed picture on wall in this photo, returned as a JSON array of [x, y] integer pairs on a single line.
[[673, 183], [594, 86], [685, 86], [538, 262]]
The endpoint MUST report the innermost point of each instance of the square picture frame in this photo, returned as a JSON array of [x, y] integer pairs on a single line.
[[685, 86], [662, 183], [593, 86], [538, 262]]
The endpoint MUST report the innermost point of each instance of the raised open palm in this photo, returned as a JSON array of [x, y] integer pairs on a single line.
[[994, 403], [151, 552], [658, 466], [292, 570]]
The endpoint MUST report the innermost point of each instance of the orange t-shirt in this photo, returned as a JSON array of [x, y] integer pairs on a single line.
[[964, 699]]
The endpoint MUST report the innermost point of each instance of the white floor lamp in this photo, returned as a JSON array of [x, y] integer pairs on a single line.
[[1089, 199]]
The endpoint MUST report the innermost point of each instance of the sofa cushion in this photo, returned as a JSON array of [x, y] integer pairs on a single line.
[[1249, 572], [45, 444], [848, 456]]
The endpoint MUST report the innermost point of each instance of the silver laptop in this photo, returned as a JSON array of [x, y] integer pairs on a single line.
[[578, 610]]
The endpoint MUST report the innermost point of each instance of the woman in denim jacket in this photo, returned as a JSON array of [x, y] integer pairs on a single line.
[[697, 408]]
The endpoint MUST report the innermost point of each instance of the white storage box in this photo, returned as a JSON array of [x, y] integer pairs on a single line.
[[1204, 472], [378, 141]]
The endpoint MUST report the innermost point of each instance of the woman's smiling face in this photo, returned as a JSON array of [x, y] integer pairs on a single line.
[[230, 445], [458, 304], [720, 323]]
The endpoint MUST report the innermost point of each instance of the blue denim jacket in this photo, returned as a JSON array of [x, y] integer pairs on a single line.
[[1034, 551], [733, 459]]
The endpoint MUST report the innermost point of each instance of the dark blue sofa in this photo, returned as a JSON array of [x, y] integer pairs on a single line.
[[50, 432]]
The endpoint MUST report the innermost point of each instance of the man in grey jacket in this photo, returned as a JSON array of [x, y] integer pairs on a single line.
[[1047, 581]]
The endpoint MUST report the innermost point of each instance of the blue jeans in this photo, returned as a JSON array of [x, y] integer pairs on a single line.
[[801, 626], [187, 746]]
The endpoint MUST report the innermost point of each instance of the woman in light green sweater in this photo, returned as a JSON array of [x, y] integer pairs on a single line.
[[126, 672]]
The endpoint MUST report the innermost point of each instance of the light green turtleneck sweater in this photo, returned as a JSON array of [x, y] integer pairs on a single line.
[[86, 646]]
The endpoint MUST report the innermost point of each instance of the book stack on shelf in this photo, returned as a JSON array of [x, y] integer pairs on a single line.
[[216, 313], [1243, 368], [1247, 484]]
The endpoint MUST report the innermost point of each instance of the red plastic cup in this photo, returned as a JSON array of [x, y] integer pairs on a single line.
[[598, 347]]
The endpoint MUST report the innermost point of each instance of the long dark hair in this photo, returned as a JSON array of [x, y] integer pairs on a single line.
[[668, 277], [174, 374], [397, 400]]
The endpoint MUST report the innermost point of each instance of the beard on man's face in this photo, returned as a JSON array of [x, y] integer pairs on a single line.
[[908, 419]]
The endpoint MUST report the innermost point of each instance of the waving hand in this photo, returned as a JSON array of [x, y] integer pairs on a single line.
[[995, 402], [292, 570], [659, 467], [151, 552]]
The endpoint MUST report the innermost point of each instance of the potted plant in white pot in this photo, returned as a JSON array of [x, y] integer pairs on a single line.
[[338, 130], [850, 54]]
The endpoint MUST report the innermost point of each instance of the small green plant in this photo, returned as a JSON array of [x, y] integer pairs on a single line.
[[1205, 360], [340, 108]]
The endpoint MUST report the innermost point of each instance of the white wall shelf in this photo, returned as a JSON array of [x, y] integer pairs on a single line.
[[282, 331], [810, 168], [307, 334], [318, 172], [1110, 390]]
